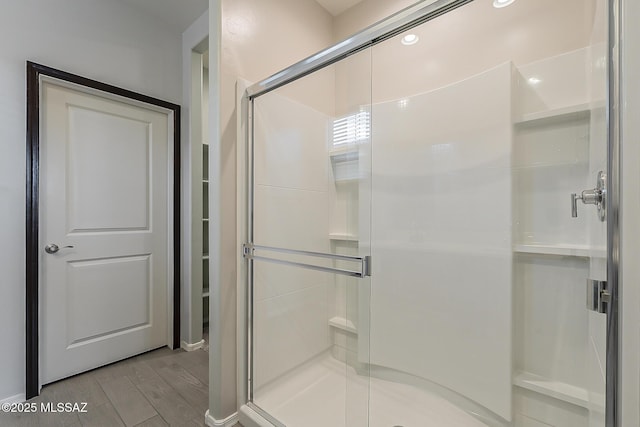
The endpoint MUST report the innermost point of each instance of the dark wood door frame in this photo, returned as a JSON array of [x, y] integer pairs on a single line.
[[34, 71]]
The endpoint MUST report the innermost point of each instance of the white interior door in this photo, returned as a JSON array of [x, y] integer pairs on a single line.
[[104, 203]]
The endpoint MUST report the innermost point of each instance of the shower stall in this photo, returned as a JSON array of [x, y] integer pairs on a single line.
[[428, 206]]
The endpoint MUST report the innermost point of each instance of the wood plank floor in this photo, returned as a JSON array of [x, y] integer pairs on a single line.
[[159, 388]]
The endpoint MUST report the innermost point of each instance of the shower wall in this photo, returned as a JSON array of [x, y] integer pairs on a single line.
[[291, 310], [441, 237]]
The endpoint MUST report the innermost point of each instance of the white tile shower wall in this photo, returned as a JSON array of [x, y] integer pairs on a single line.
[[555, 82], [534, 410], [291, 218], [346, 288], [442, 228], [289, 330], [291, 147], [551, 161], [291, 211], [343, 210], [551, 326]]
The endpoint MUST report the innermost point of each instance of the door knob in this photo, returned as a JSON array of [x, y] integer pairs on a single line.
[[52, 248], [596, 196]]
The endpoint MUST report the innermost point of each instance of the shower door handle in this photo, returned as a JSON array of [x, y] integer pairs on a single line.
[[364, 262]]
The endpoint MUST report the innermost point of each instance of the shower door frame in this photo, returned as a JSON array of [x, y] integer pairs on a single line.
[[408, 18]]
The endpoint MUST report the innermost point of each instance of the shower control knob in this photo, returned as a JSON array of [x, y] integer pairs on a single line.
[[596, 196]]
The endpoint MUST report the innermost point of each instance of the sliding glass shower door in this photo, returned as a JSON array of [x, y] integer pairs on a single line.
[[428, 223], [485, 121], [310, 248]]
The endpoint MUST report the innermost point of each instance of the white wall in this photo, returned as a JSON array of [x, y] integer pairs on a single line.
[[103, 40], [194, 42], [470, 40], [441, 200], [291, 211]]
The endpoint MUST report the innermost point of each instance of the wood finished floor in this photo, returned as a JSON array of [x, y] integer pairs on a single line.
[[159, 388]]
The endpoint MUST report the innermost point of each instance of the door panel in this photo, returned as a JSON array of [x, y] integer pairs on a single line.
[[99, 288], [310, 246], [104, 202], [102, 145], [479, 266]]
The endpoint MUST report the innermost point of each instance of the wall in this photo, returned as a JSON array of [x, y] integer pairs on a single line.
[[461, 44], [291, 309], [364, 14], [435, 159], [258, 39], [195, 41], [105, 41]]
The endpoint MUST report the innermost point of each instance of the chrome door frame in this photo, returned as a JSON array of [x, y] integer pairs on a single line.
[[613, 373], [406, 19]]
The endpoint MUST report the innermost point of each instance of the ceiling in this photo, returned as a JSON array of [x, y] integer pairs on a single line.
[[336, 7], [179, 15]]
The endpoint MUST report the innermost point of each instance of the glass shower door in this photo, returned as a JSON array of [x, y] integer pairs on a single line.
[[485, 121], [309, 248]]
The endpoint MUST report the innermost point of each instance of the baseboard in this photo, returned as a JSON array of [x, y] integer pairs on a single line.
[[192, 347], [230, 421], [14, 399]]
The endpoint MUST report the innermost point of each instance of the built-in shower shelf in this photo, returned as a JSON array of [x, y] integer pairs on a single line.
[[582, 251], [345, 163], [343, 237], [555, 389], [343, 324], [571, 112], [344, 150]]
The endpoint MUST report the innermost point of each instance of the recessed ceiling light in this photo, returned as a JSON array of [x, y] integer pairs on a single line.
[[534, 81], [410, 39], [502, 3]]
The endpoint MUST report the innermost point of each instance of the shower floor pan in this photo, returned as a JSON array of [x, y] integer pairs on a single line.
[[326, 392]]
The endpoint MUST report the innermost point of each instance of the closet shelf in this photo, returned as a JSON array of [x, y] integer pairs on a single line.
[[205, 256], [576, 111], [343, 324], [343, 237], [555, 389], [582, 251]]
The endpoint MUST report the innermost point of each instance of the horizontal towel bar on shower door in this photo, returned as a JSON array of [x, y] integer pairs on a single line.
[[249, 252]]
